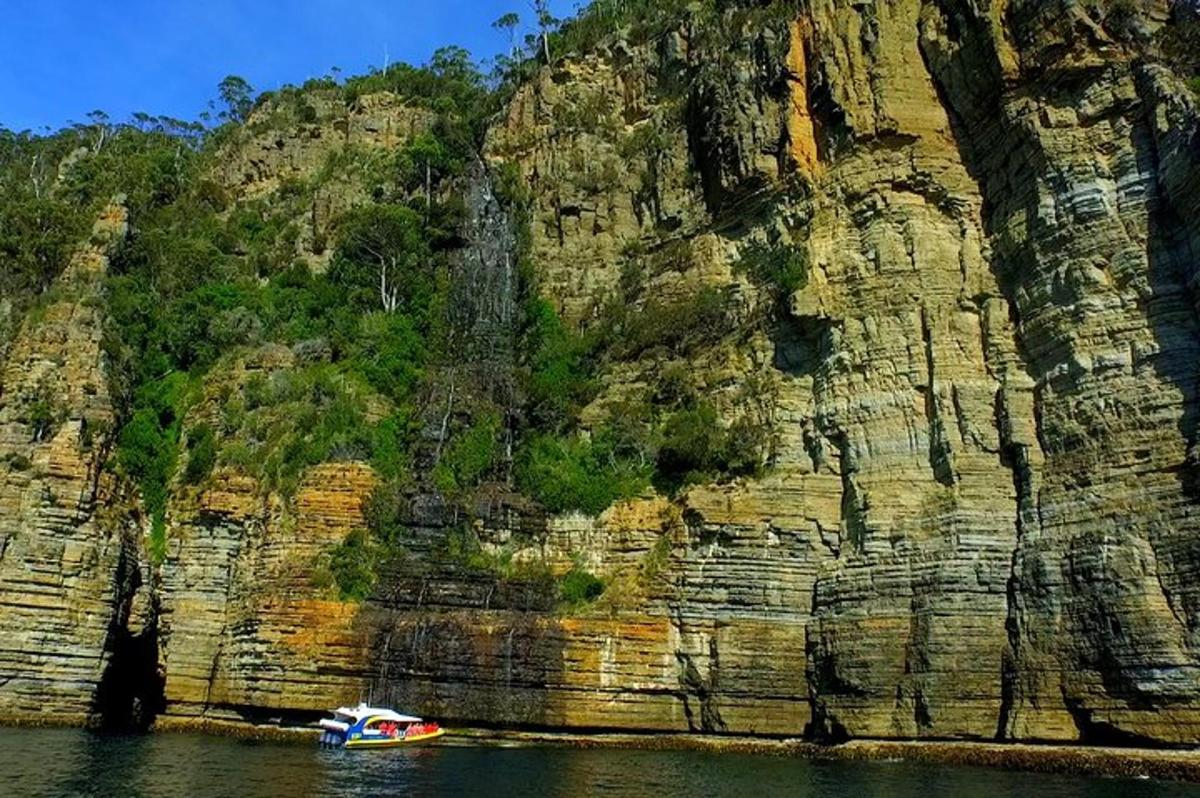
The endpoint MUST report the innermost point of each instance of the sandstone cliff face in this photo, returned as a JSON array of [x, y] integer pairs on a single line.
[[244, 632], [981, 505], [1095, 253], [280, 143], [68, 565], [979, 519], [94, 624], [273, 162]]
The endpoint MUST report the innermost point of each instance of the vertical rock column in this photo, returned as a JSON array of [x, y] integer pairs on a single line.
[[1067, 126], [60, 562], [912, 366]]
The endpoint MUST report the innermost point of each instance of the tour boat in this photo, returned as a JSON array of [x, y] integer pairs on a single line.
[[372, 727]]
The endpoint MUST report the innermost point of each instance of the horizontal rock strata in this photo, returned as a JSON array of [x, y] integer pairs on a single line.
[[979, 519]]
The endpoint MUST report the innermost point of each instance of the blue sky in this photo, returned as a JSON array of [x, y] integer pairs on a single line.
[[60, 59]]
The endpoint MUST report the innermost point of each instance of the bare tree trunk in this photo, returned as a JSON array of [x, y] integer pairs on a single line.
[[383, 287], [428, 190], [33, 175], [508, 448], [389, 292]]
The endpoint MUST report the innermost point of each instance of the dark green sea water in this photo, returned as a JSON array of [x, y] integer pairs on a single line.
[[74, 763]]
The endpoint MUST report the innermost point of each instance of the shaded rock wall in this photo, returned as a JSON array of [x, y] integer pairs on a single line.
[[1098, 261]]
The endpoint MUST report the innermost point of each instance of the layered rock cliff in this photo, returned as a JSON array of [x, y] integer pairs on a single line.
[[68, 559], [977, 517]]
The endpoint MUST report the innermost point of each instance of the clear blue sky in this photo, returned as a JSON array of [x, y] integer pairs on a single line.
[[60, 59]]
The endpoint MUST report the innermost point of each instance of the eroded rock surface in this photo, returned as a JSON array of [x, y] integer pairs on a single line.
[[245, 632], [68, 562], [979, 517], [984, 392]]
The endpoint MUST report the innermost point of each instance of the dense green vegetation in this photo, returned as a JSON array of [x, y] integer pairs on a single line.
[[203, 280], [351, 567], [358, 353], [574, 472], [579, 587], [38, 227], [666, 437]]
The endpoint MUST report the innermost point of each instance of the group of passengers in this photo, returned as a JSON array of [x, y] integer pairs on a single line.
[[391, 729]]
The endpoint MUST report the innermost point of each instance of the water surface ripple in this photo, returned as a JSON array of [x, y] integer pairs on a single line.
[[64, 762]]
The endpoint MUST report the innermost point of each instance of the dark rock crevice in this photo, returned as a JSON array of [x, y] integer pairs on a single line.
[[700, 691], [941, 454], [130, 693]]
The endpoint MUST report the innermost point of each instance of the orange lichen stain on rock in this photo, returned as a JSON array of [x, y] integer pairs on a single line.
[[802, 131], [331, 500], [231, 495], [601, 653], [646, 631], [317, 627]]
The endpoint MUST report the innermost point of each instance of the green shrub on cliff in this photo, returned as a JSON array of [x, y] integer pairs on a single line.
[[559, 379], [148, 447], [391, 456], [36, 238], [390, 352], [311, 416], [198, 280], [449, 77], [469, 457], [17, 462], [665, 438], [43, 414], [782, 268], [574, 473], [383, 260], [692, 441], [39, 227], [676, 325], [696, 448], [202, 454], [578, 587], [351, 565]]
